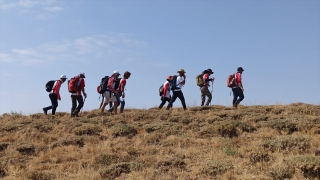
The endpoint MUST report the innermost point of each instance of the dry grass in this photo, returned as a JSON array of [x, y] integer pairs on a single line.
[[217, 142]]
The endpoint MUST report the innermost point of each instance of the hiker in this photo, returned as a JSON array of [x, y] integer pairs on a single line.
[[176, 88], [166, 92], [238, 88], [205, 88], [121, 94], [110, 95], [54, 95], [76, 95]]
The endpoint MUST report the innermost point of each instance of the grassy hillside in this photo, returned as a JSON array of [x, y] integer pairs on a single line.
[[217, 142]]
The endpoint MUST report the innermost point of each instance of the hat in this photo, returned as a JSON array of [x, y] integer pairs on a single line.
[[181, 70], [116, 72], [82, 73], [169, 77], [240, 69], [63, 76], [209, 71]]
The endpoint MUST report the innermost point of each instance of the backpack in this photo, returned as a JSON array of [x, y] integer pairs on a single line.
[[161, 90], [103, 87], [49, 85], [199, 80], [231, 81], [117, 81], [73, 85], [173, 83]]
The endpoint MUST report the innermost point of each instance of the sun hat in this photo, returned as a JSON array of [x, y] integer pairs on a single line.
[[181, 70], [209, 71], [83, 74], [116, 72], [240, 69], [63, 76]]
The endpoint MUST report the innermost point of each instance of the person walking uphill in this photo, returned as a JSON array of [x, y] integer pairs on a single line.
[[205, 88], [54, 94], [176, 88], [166, 92], [76, 85], [238, 88], [111, 94], [121, 88]]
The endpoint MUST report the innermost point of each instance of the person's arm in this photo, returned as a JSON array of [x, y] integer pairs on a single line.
[[122, 85], [82, 85]]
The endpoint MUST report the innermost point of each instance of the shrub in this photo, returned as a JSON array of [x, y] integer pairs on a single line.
[[115, 170], [259, 155], [43, 126], [309, 165], [216, 167], [70, 140], [26, 148], [171, 162], [3, 146], [106, 159], [287, 143], [87, 129], [124, 130], [153, 126], [39, 175], [281, 172]]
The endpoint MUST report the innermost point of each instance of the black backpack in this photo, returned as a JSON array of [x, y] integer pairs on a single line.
[[117, 81], [173, 83], [104, 85], [49, 85], [161, 90]]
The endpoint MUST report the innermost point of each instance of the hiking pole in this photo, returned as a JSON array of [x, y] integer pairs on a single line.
[[83, 105], [211, 90]]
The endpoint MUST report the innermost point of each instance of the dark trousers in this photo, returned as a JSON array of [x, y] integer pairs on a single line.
[[54, 103], [177, 94], [163, 102], [75, 99], [237, 93]]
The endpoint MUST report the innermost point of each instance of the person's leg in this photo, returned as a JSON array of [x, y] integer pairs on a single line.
[[79, 99], [241, 96], [203, 97], [181, 97], [54, 101], [106, 100], [122, 104], [74, 104], [174, 97], [45, 109], [163, 101], [235, 95], [209, 95]]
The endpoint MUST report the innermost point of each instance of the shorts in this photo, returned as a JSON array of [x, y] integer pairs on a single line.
[[109, 97]]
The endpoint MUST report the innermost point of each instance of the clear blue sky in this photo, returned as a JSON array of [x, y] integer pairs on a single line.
[[276, 42]]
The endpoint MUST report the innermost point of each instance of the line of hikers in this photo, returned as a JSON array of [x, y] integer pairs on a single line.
[[175, 83], [112, 90]]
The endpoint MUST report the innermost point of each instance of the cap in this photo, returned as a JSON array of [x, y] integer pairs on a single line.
[[116, 72], [181, 70], [169, 77], [209, 71], [240, 69], [63, 76], [82, 73]]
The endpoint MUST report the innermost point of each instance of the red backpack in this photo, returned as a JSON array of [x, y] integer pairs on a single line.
[[231, 81], [73, 84]]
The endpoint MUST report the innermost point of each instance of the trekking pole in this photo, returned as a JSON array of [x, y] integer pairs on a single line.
[[82, 106], [211, 90]]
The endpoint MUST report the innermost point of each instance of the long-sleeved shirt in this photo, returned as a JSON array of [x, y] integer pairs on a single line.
[[111, 83], [166, 90], [238, 80], [206, 80]]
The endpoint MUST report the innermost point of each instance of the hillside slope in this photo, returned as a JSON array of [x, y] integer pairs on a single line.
[[217, 142]]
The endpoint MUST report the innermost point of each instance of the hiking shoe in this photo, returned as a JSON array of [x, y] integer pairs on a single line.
[[45, 111]]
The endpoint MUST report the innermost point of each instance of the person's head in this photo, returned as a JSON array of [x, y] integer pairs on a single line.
[[126, 75], [82, 75], [209, 71], [240, 69], [63, 78], [169, 78], [181, 72], [116, 73]]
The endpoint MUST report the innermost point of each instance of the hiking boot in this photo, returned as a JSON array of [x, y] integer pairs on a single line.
[[45, 111], [235, 105]]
